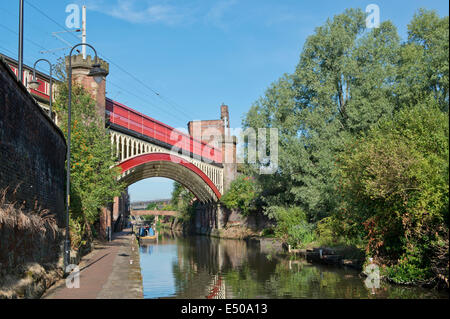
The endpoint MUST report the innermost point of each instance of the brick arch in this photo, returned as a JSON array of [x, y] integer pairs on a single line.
[[173, 167]]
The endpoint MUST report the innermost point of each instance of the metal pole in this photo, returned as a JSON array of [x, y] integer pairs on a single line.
[[83, 31], [69, 115], [20, 59], [51, 90]]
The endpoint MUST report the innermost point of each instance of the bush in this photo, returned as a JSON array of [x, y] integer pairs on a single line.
[[292, 226], [268, 232], [242, 195], [394, 188], [327, 231], [409, 269]]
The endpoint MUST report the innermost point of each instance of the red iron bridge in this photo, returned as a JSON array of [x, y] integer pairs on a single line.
[[147, 148]]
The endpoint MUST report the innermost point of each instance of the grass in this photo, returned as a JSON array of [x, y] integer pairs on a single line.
[[27, 247], [34, 222]]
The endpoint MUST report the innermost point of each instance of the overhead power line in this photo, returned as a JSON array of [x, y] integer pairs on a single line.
[[26, 39], [164, 99], [179, 119], [48, 17], [159, 95], [27, 61]]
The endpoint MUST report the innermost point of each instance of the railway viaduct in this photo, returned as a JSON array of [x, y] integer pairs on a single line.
[[203, 160]]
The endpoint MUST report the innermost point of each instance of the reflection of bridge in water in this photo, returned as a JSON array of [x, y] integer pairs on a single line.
[[197, 265], [203, 263], [217, 288]]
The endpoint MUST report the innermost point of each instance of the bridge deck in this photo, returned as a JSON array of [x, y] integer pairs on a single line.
[[125, 117]]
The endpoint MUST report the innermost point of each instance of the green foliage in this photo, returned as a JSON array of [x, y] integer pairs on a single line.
[[241, 195], [268, 232], [170, 207], [363, 141], [423, 68], [170, 219], [328, 231], [182, 201], [394, 186], [408, 270], [93, 173], [342, 85], [292, 226], [148, 218], [153, 206]]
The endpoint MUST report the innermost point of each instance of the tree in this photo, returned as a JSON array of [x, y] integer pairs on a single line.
[[342, 85], [423, 67], [292, 225], [183, 201], [93, 172], [363, 133], [152, 206]]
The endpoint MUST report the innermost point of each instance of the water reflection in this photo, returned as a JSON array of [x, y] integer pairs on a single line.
[[198, 267]]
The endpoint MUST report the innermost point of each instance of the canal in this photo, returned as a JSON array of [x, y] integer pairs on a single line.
[[198, 267]]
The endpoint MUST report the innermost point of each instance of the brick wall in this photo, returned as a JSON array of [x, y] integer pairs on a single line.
[[201, 129], [32, 150]]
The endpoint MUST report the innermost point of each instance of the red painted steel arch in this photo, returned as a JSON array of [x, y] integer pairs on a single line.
[[164, 157]]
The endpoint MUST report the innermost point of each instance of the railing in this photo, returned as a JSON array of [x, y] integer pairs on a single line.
[[130, 119]]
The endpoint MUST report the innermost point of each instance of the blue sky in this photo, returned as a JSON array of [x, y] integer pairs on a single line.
[[196, 54]]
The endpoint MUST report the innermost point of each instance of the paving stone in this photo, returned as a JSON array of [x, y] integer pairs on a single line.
[[106, 273]]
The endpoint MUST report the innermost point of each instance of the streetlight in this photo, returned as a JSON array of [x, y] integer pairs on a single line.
[[98, 73], [20, 58], [34, 84]]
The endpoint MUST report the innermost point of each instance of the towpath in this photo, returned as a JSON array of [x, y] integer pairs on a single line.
[[110, 271]]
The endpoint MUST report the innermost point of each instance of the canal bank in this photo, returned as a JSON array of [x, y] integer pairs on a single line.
[[111, 271]]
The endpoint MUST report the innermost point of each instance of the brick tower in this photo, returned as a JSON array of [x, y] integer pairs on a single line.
[[219, 131], [80, 71]]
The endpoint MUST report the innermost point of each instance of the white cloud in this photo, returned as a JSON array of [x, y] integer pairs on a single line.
[[140, 12], [167, 12]]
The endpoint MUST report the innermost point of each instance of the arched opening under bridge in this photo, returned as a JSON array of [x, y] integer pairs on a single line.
[[173, 167]]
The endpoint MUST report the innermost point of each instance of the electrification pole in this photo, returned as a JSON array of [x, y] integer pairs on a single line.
[[20, 59]]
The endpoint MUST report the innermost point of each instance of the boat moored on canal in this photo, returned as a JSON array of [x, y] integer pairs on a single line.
[[146, 234]]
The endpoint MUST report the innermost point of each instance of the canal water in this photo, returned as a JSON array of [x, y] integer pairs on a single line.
[[199, 267]]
